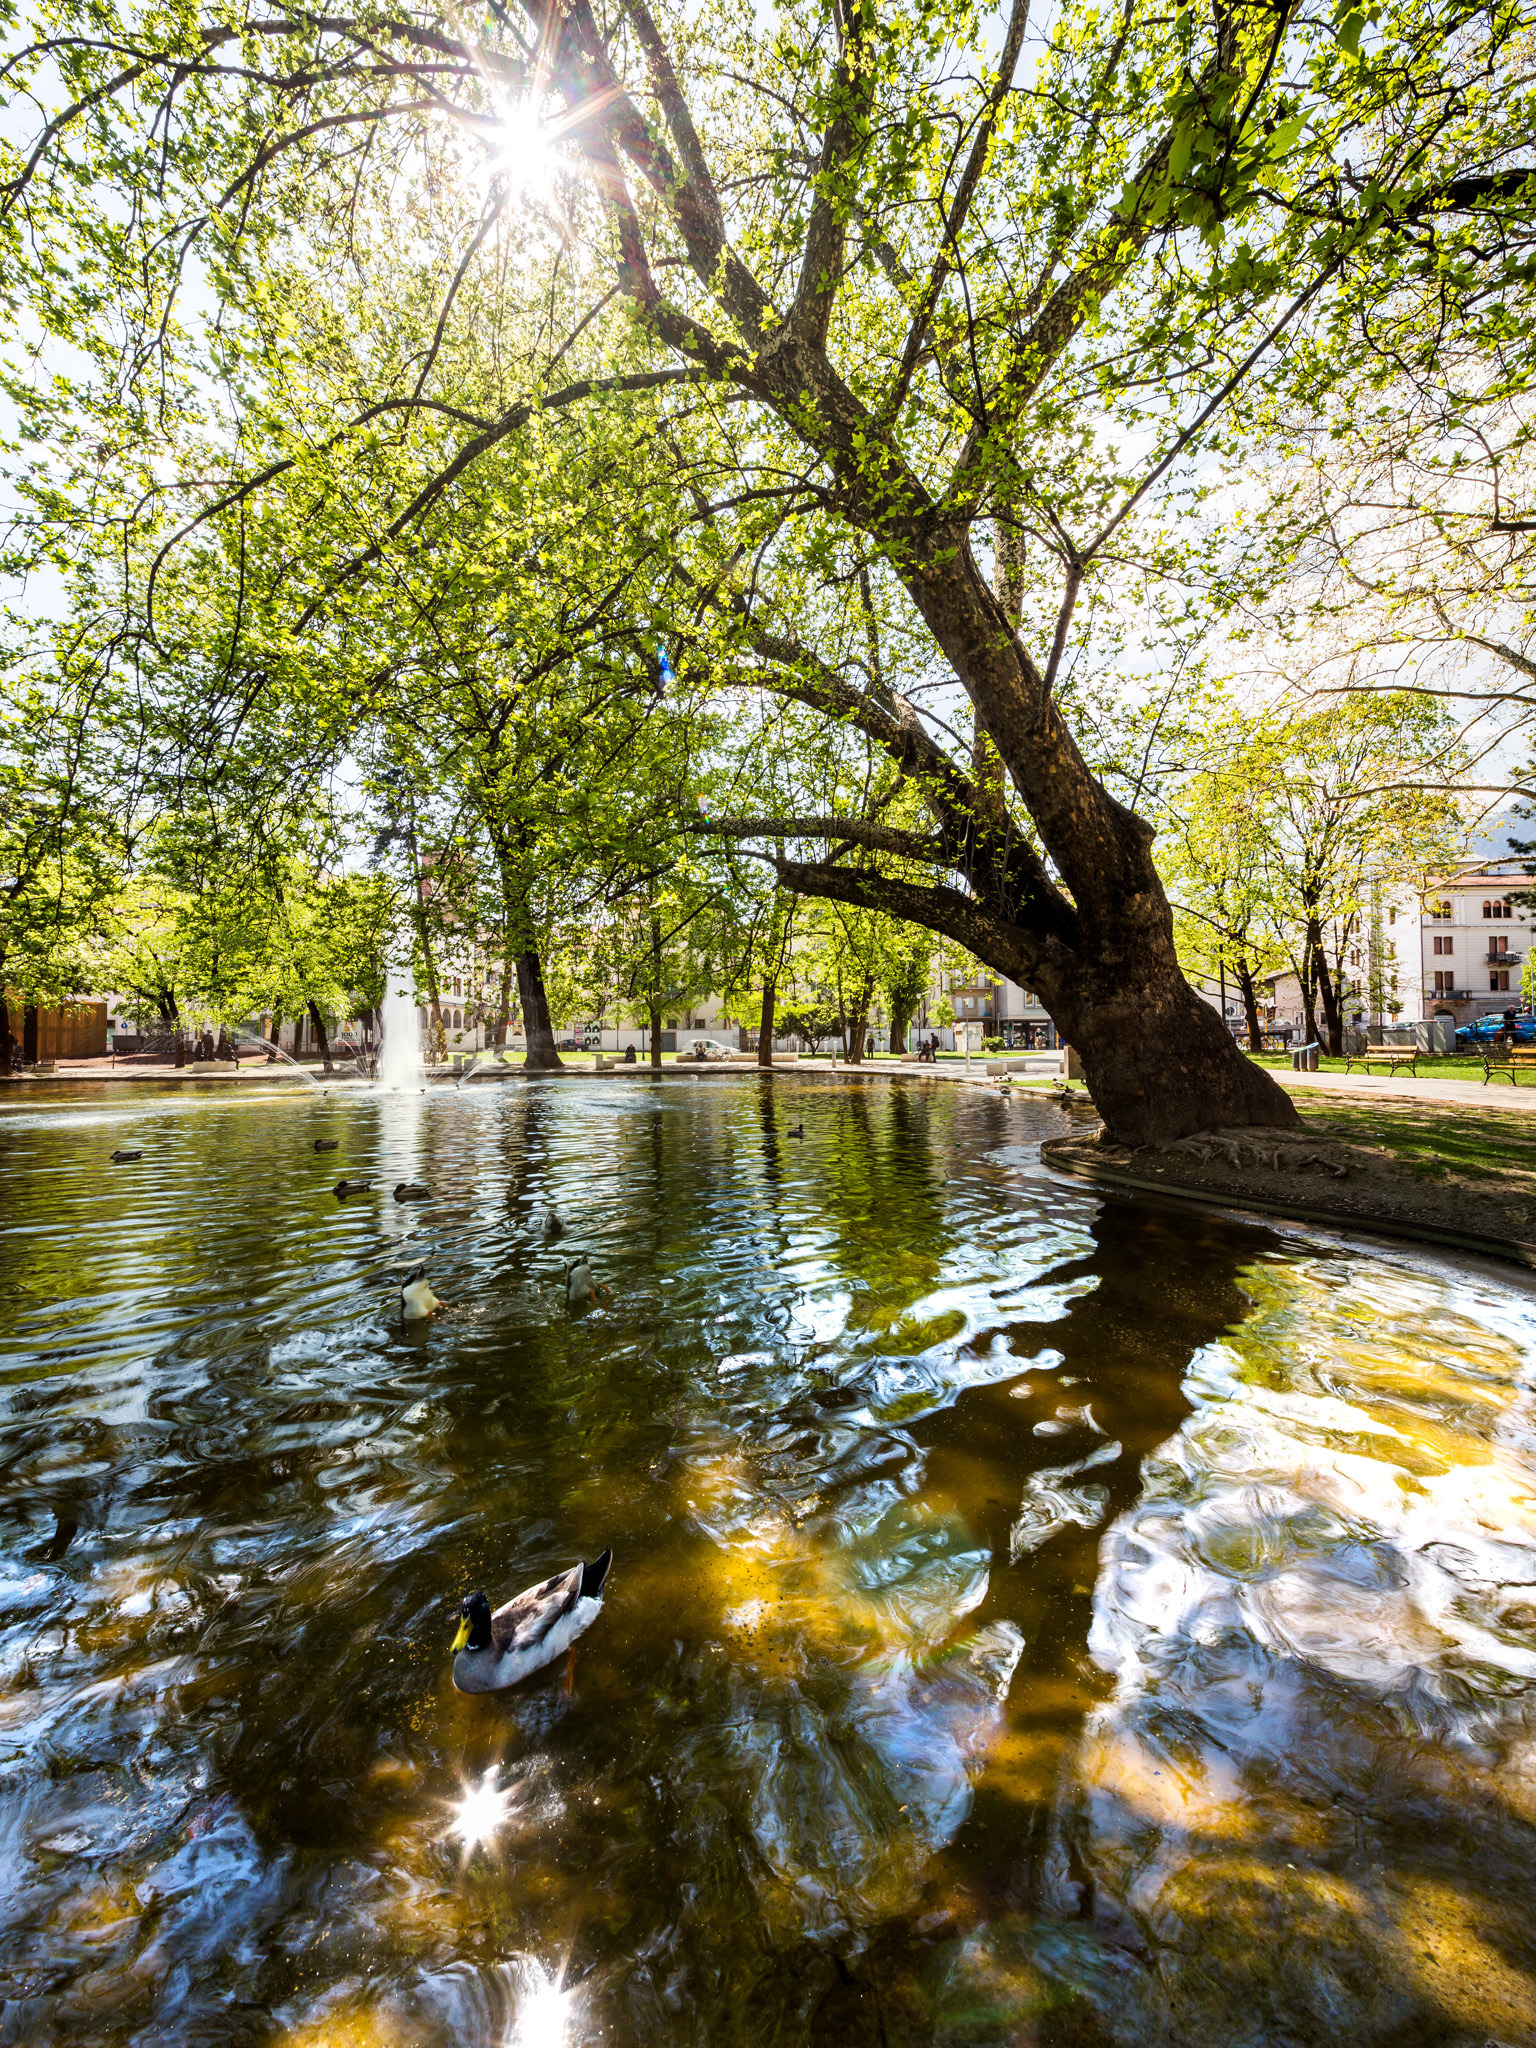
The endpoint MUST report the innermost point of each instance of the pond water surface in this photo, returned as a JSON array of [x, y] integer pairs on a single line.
[[1036, 1619]]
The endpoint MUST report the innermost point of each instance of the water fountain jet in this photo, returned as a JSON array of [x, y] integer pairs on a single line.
[[400, 1062]]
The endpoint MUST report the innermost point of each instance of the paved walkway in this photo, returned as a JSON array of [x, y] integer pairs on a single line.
[[1449, 1090]]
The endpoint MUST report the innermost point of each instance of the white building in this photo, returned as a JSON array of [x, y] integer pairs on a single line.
[[1004, 1010], [1458, 950]]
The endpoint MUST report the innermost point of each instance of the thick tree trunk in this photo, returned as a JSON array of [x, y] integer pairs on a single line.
[[1306, 981], [654, 1011], [858, 1027], [1082, 917], [901, 1023], [5, 1036], [1159, 1063], [1250, 1007], [321, 1040], [1333, 1022], [537, 1029], [765, 1026]]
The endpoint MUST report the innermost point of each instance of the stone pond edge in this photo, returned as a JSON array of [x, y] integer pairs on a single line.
[[1057, 1153]]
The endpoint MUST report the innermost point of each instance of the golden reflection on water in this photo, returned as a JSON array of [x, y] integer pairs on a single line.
[[1034, 1620]]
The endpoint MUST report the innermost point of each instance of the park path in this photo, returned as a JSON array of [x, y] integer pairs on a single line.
[[1449, 1090]]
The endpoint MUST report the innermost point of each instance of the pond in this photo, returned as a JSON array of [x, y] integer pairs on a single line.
[[1036, 1618]]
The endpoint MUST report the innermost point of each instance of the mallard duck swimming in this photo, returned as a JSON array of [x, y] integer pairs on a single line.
[[122, 1158], [795, 1131], [546, 1224], [326, 1144], [580, 1287], [351, 1187], [493, 1651], [412, 1191], [416, 1297]]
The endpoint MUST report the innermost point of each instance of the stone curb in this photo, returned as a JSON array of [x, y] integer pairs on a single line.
[[1053, 1153]]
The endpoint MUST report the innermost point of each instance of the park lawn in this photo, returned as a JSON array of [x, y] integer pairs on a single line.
[[1454, 1066], [1434, 1140]]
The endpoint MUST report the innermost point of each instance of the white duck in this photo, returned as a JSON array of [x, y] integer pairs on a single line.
[[417, 1300]]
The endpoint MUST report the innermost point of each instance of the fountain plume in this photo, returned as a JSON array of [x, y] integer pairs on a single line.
[[400, 1063]]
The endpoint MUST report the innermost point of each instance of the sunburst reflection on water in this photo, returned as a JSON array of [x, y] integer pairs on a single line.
[[1203, 1715]]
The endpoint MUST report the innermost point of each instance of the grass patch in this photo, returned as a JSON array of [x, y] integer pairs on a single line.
[[1451, 1066], [1432, 1140]]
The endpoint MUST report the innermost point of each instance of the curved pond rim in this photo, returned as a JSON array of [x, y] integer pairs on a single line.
[[1507, 1251]]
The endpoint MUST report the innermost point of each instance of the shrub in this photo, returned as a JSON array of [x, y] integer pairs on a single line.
[[991, 1045]]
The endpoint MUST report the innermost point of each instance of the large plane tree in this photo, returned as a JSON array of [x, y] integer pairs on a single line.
[[969, 302]]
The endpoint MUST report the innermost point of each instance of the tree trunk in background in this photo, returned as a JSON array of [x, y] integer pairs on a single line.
[[653, 1002], [901, 1023], [765, 1027], [1333, 1021], [503, 1005], [5, 1036], [858, 1026], [321, 1040], [1251, 1006], [537, 1029]]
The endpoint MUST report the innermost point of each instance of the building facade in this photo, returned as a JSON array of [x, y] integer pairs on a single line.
[[1004, 1010], [1458, 951]]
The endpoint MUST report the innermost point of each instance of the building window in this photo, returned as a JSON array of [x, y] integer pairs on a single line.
[[1499, 907], [1441, 910], [1498, 943], [1392, 915], [1444, 982], [1499, 979], [1443, 945]]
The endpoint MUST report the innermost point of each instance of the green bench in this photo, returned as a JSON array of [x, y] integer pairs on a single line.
[[1389, 1056]]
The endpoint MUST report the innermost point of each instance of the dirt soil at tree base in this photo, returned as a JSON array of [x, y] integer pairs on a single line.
[[1330, 1172]]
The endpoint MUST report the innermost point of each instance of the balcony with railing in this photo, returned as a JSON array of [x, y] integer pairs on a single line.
[[1510, 959]]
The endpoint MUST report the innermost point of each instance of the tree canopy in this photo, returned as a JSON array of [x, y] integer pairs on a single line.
[[876, 371]]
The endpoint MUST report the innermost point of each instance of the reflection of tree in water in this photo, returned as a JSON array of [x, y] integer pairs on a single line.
[[1302, 1813], [884, 1229], [1146, 1297], [786, 1781]]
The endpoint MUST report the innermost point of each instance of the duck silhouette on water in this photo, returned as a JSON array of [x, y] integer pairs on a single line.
[[412, 1191], [343, 1188]]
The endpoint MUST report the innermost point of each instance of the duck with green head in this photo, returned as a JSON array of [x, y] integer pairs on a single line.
[[494, 1650]]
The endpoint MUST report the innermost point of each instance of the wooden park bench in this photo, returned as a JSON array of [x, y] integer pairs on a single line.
[[1514, 1060], [1389, 1056]]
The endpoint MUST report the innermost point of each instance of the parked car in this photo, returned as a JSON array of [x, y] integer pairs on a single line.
[[1483, 1030], [707, 1049]]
